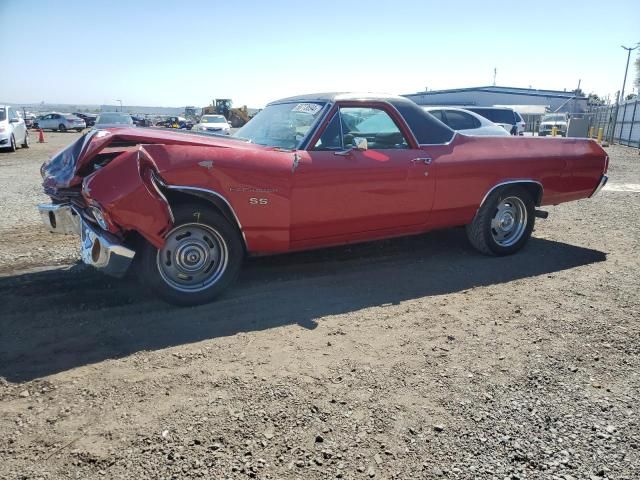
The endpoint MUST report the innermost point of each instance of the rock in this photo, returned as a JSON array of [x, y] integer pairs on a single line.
[[439, 427], [371, 472], [437, 472], [610, 429], [319, 439], [378, 459], [24, 393], [165, 433]]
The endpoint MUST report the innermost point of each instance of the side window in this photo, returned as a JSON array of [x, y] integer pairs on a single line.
[[330, 138], [438, 114], [461, 121], [374, 124], [12, 113]]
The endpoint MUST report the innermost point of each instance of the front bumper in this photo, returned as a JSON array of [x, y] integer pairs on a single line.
[[60, 218], [601, 184], [98, 248]]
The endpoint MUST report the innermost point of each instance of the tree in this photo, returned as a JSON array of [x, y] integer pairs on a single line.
[[638, 70]]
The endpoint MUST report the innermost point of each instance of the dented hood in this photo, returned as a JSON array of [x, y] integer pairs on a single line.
[[64, 169]]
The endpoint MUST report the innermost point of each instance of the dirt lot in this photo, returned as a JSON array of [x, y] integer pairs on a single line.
[[412, 358]]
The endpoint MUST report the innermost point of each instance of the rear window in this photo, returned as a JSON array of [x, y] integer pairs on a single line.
[[113, 118], [496, 115]]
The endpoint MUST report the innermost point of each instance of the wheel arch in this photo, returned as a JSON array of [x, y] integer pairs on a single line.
[[534, 187], [182, 194]]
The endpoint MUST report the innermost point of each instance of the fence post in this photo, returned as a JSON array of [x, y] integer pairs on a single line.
[[633, 119]]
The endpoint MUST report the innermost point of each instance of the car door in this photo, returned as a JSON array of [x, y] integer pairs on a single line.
[[45, 121], [17, 126], [339, 190]]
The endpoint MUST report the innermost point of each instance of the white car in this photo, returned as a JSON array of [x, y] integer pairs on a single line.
[[466, 122], [213, 124], [557, 120], [506, 117], [60, 122], [13, 130]]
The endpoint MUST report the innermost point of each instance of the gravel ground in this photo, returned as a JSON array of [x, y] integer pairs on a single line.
[[402, 359]]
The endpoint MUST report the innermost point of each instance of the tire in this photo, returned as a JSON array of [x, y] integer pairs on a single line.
[[12, 143], [202, 256], [62, 128], [25, 144], [504, 222]]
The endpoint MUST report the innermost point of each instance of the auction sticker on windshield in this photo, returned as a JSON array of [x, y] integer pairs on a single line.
[[310, 108]]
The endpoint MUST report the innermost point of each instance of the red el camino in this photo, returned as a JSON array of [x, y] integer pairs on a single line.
[[306, 172]]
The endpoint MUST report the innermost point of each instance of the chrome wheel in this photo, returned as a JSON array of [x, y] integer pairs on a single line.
[[193, 258], [509, 221]]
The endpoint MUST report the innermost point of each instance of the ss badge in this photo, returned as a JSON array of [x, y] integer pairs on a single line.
[[258, 201]]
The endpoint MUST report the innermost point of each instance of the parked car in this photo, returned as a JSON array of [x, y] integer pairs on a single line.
[[29, 119], [306, 172], [558, 120], [506, 117], [113, 120], [466, 122], [89, 118], [141, 121], [60, 122], [213, 124], [176, 122], [13, 130]]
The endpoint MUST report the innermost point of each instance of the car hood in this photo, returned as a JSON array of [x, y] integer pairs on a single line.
[[63, 170]]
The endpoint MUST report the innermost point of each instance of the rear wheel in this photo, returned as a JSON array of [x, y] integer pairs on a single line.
[[25, 143], [62, 127], [201, 257], [503, 223], [12, 143]]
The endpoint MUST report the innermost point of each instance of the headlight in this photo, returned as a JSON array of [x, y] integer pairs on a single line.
[[97, 214]]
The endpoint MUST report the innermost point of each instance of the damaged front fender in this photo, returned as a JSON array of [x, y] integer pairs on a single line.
[[127, 196]]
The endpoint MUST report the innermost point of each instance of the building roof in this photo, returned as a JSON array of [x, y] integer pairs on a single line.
[[503, 90]]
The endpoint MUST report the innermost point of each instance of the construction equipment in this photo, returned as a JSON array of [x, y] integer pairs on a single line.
[[237, 117]]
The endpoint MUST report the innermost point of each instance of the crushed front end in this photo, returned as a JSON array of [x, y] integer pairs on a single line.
[[101, 193]]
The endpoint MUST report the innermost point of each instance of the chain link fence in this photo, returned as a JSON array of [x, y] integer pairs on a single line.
[[620, 123]]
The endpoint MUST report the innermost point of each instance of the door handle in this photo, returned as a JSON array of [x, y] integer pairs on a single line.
[[425, 160]]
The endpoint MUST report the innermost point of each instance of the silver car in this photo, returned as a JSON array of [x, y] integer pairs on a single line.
[[61, 122], [13, 130], [113, 120]]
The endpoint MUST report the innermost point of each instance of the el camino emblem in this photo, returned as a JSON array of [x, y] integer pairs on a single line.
[[206, 164]]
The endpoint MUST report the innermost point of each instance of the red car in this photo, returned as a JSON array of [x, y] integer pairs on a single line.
[[306, 172]]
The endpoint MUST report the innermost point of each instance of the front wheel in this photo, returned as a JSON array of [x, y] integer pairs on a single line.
[[504, 222], [62, 127], [201, 257], [25, 143]]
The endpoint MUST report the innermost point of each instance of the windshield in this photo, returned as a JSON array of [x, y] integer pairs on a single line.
[[496, 115], [282, 125], [111, 118], [213, 119], [3, 114], [554, 118]]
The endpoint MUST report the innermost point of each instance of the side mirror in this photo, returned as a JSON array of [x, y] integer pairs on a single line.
[[360, 143]]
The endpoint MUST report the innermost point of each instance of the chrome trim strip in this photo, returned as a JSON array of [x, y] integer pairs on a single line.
[[603, 181], [182, 188], [511, 182]]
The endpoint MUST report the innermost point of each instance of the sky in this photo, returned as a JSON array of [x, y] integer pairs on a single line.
[[176, 53]]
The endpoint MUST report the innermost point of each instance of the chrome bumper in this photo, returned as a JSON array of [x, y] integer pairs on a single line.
[[104, 252], [98, 248], [603, 182], [60, 218]]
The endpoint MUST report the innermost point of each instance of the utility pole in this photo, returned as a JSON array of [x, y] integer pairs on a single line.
[[495, 72], [624, 82], [120, 104]]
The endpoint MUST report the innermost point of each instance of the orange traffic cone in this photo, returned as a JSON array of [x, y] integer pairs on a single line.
[[41, 137]]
